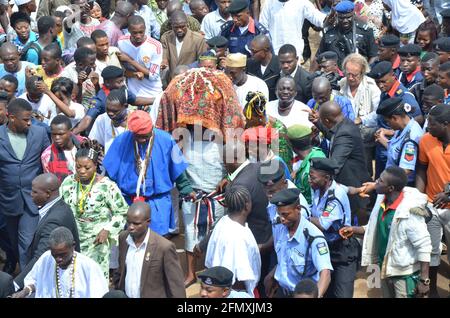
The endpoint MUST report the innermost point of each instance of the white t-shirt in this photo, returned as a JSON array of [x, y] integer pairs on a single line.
[[233, 246], [111, 59], [45, 105], [148, 54], [79, 110], [104, 132], [253, 84], [297, 116]]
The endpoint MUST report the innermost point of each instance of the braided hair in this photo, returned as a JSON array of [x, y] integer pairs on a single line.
[[236, 197], [90, 149]]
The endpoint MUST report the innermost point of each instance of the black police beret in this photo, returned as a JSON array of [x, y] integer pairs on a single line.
[[217, 41], [410, 50], [272, 170], [389, 40], [442, 44], [325, 164], [327, 56], [285, 197], [111, 72], [217, 276], [388, 106], [237, 6], [380, 69], [445, 13]]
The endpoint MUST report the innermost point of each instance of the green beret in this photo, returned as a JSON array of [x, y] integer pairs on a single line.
[[298, 131]]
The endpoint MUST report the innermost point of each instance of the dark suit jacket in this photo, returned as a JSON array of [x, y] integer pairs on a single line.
[[258, 220], [347, 149], [6, 285], [270, 76], [161, 276], [16, 175], [303, 81], [59, 214]]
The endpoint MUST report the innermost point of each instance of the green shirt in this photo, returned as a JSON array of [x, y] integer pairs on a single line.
[[18, 143], [302, 175], [385, 217]]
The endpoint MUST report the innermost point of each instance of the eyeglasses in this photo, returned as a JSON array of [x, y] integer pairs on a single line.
[[350, 75]]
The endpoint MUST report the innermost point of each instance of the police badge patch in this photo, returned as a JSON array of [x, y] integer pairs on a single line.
[[322, 248], [330, 207], [410, 152]]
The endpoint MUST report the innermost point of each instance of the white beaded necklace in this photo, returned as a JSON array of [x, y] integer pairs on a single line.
[[59, 290]]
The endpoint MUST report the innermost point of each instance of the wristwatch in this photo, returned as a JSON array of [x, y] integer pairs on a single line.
[[425, 281]]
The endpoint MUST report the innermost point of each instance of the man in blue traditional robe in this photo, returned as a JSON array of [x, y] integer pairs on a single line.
[[146, 162]]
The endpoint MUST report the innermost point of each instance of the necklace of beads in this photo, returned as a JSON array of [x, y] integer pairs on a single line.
[[84, 193], [71, 291]]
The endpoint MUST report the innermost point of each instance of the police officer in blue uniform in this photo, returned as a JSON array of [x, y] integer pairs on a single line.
[[410, 65], [349, 36], [329, 212], [241, 31], [403, 147], [388, 51], [390, 87], [216, 282], [302, 251], [273, 177]]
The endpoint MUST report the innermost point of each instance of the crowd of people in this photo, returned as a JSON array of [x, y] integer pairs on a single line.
[[126, 123]]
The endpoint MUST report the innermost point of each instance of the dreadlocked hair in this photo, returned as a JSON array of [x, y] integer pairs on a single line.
[[236, 198]]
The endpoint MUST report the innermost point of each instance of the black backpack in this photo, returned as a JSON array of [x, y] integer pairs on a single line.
[[34, 46]]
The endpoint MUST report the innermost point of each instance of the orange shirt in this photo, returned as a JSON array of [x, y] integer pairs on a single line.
[[431, 153]]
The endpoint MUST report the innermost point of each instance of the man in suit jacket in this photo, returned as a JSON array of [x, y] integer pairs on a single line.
[[181, 46], [264, 64], [346, 147], [148, 263], [288, 58], [53, 212], [21, 146]]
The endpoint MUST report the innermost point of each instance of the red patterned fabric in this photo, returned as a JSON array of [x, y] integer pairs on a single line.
[[200, 95]]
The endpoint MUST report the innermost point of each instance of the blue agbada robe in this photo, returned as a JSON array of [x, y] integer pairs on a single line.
[[167, 163]]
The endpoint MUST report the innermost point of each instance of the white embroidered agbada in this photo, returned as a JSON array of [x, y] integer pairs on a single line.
[[89, 279], [233, 246]]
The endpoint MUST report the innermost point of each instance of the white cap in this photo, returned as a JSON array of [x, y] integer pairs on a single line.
[[20, 2]]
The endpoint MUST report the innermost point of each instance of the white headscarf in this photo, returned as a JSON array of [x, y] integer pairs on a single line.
[[406, 18]]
